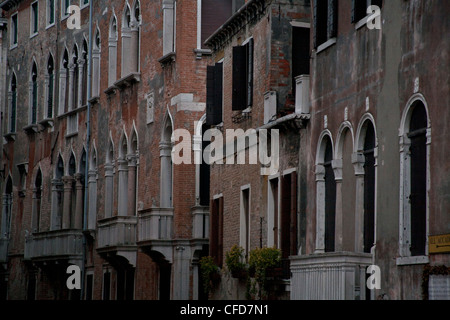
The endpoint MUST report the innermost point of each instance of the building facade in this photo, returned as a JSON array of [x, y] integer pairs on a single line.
[[88, 176]]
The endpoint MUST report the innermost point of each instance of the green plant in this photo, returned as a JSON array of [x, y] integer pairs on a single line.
[[208, 270], [234, 261], [262, 259]]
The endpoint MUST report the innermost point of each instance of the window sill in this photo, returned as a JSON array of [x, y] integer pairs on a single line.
[[167, 58], [30, 129], [326, 45], [49, 26], [128, 80], [202, 52], [33, 35], [94, 100], [13, 46], [111, 90], [46, 122], [10, 136], [70, 135], [72, 112], [404, 261], [362, 22]]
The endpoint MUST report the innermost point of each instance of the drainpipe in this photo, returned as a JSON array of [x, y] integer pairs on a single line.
[[88, 138]]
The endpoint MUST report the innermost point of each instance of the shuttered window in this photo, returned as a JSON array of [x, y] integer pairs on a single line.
[[214, 94], [242, 95], [216, 231]]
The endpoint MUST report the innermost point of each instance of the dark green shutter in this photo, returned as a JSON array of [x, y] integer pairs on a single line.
[[239, 94], [249, 53], [218, 92], [332, 19]]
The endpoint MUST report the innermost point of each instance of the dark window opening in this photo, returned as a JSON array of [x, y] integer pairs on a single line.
[[214, 94], [89, 287], [106, 285], [12, 118], [369, 188], [325, 21], [216, 231], [330, 199], [300, 53], [164, 281], [51, 80], [359, 8], [204, 175], [14, 29], [418, 198], [34, 96], [288, 220], [242, 95], [34, 8]]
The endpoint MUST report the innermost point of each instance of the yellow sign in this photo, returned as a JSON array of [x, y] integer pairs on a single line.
[[439, 244]]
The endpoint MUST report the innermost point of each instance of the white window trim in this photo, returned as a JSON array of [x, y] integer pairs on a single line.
[[326, 44], [270, 216], [11, 44], [245, 230], [405, 257], [47, 15], [82, 5], [64, 14], [33, 34], [300, 24]]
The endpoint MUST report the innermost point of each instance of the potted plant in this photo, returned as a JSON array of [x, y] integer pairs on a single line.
[[210, 273], [261, 261], [234, 261]]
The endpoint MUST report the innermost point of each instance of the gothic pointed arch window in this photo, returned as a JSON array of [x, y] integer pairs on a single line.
[[64, 83], [33, 94], [122, 200], [369, 187], [50, 86], [7, 208], [96, 54], [57, 195], [74, 79], [84, 74], [92, 190], [112, 54], [37, 196], [109, 180], [12, 104]]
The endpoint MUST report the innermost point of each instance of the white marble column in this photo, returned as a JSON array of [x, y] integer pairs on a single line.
[[320, 209]]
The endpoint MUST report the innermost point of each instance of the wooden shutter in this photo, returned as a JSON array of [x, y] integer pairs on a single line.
[[239, 95], [213, 230], [218, 92], [285, 216], [332, 19], [210, 95], [220, 242], [249, 53], [293, 213]]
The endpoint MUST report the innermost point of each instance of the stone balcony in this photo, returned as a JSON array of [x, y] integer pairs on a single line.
[[54, 245], [3, 250], [329, 276], [116, 236], [155, 231]]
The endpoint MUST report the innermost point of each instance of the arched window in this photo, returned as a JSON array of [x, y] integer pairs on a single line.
[[74, 79], [112, 55], [132, 173], [92, 190], [330, 198], [109, 180], [37, 195], [122, 201], [33, 94], [96, 54], [135, 36], [50, 80], [57, 195], [64, 83], [84, 77], [7, 208], [165, 148], [325, 196], [415, 141], [127, 58], [13, 104], [369, 187]]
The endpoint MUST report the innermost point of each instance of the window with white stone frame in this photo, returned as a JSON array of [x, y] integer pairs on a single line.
[[109, 179], [92, 190], [50, 13], [415, 143], [14, 30], [34, 18], [50, 88], [112, 54], [96, 55], [325, 195], [169, 26], [65, 4], [12, 97], [325, 23], [57, 195], [33, 95], [122, 187]]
